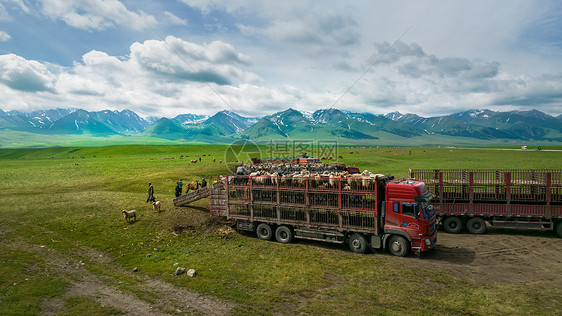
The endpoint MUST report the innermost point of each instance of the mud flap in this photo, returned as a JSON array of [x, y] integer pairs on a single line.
[[376, 242]]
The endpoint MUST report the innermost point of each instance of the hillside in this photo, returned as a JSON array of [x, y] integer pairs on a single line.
[[469, 128], [166, 129]]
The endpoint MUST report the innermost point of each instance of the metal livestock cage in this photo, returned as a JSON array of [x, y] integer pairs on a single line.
[[493, 185], [322, 202]]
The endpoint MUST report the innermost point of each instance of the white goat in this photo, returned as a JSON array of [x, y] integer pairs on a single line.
[[129, 214]]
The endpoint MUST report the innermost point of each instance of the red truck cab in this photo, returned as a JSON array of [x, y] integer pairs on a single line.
[[408, 213]]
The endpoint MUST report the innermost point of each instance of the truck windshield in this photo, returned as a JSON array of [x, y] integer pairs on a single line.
[[427, 209]]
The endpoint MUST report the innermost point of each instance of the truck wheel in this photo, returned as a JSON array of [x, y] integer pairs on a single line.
[[398, 246], [284, 234], [452, 225], [476, 225], [559, 229], [264, 231], [357, 243]]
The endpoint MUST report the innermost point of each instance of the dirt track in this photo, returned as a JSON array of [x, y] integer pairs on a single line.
[[500, 255], [503, 256]]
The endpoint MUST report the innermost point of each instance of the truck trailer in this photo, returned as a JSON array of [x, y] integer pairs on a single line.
[[368, 213], [504, 198]]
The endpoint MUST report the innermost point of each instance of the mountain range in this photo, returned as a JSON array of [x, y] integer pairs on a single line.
[[328, 124]]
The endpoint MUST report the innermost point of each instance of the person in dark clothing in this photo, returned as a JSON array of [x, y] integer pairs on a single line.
[[181, 185], [199, 159], [150, 193], [178, 189], [203, 183]]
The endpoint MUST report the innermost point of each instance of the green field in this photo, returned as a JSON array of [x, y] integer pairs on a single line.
[[24, 139], [60, 227]]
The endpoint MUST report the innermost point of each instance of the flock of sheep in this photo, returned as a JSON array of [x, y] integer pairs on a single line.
[[318, 175]]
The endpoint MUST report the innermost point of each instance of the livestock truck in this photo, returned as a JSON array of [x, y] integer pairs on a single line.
[[517, 199], [382, 213]]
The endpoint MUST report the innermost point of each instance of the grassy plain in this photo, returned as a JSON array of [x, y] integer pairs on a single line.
[[66, 203]]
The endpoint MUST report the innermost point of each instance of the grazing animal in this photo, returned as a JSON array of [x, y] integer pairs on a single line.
[[193, 160], [191, 186], [130, 214], [156, 206]]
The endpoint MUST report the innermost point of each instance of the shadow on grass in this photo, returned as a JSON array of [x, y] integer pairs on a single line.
[[199, 208]]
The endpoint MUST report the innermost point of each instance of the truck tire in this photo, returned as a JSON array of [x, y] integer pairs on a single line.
[[476, 225], [452, 225], [398, 246], [559, 229], [284, 234], [357, 243], [264, 231]]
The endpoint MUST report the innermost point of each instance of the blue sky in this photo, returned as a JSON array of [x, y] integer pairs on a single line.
[[166, 58]]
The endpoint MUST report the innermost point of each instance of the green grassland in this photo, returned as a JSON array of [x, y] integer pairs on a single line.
[[68, 200], [25, 139]]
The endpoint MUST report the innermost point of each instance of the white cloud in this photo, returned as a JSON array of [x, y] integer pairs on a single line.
[[173, 19], [313, 34], [18, 3], [96, 14], [265, 56], [4, 37], [24, 75], [151, 80], [312, 28], [180, 60], [410, 80]]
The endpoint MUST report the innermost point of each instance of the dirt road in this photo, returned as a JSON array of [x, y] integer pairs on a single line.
[[503, 256]]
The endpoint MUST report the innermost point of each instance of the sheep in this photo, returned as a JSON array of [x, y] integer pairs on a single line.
[[274, 178], [194, 161], [156, 206], [336, 177], [129, 214], [353, 179]]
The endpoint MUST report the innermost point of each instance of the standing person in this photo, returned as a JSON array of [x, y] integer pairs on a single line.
[[150, 193], [178, 189], [203, 183], [241, 170], [181, 185], [199, 159]]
